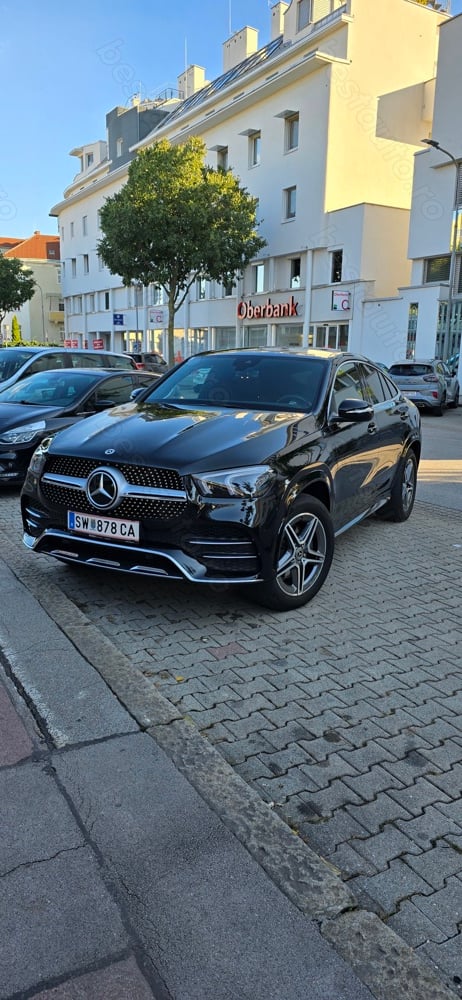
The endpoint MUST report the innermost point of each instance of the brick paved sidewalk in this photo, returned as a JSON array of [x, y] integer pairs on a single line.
[[344, 716]]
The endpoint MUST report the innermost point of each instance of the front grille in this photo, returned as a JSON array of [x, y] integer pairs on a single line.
[[132, 508], [136, 475]]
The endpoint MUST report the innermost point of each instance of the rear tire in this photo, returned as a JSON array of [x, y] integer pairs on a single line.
[[401, 502], [303, 557], [439, 410]]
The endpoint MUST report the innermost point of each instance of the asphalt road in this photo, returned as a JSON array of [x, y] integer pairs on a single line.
[[440, 474], [344, 717]]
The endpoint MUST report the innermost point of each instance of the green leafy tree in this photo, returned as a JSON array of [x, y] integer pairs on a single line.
[[15, 331], [176, 220], [17, 285]]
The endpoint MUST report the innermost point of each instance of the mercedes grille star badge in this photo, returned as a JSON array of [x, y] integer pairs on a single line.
[[102, 490]]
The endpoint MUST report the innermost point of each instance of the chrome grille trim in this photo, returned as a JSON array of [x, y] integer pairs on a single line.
[[143, 492]]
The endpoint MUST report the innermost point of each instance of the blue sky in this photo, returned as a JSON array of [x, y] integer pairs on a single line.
[[59, 80]]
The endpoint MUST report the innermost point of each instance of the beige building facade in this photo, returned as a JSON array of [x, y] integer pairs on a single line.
[[321, 124]]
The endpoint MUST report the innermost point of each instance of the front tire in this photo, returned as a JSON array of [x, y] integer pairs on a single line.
[[303, 557], [401, 502]]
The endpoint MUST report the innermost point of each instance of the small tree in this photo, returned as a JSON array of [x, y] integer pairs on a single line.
[[16, 285], [176, 220], [15, 331]]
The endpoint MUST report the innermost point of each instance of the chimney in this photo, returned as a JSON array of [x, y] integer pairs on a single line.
[[277, 19], [192, 80], [242, 44]]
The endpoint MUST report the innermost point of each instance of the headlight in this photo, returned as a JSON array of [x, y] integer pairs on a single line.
[[249, 483], [38, 458], [21, 435]]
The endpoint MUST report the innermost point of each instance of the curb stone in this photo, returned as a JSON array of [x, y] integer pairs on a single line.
[[380, 959]]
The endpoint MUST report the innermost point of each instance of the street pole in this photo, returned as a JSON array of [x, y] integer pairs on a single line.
[[452, 247]]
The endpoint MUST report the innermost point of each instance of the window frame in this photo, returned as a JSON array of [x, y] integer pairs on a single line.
[[290, 121], [295, 273], [290, 196], [254, 149], [304, 14]]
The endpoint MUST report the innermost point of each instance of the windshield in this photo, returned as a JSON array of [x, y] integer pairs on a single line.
[[51, 388], [11, 360], [253, 381]]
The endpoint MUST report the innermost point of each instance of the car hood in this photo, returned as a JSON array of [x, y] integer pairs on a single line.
[[182, 438], [18, 414]]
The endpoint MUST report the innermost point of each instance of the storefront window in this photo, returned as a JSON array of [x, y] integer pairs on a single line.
[[289, 335], [198, 340], [225, 337], [255, 336]]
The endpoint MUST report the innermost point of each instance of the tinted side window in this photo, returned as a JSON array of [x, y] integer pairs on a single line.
[[373, 387], [118, 361], [390, 389], [47, 361], [115, 390], [88, 360], [347, 384]]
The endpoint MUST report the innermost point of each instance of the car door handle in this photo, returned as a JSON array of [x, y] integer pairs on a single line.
[[372, 427], [403, 411]]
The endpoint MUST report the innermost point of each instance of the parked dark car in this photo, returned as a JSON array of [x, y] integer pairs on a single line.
[[46, 402], [17, 363], [151, 361], [237, 467]]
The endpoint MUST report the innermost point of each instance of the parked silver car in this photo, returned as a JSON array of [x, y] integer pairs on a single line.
[[452, 384], [424, 382]]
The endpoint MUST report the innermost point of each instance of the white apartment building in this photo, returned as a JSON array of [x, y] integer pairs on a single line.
[[427, 312], [321, 124]]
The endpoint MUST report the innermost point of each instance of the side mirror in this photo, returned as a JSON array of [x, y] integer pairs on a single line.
[[104, 404], [353, 411], [136, 392]]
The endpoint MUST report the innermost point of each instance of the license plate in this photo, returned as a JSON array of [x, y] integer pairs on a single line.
[[104, 527]]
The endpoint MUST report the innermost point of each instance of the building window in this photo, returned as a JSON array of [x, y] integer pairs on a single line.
[[336, 266], [77, 303], [412, 329], [100, 263], [106, 300], [222, 157], [290, 202], [156, 295], [72, 229], [119, 147], [86, 263], [291, 133], [91, 302], [303, 14], [295, 269], [254, 149], [225, 337], [290, 335], [73, 266], [63, 271], [228, 288], [259, 278], [89, 159], [84, 225], [437, 269], [200, 288]]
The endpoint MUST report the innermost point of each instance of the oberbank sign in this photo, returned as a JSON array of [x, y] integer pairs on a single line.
[[246, 310]]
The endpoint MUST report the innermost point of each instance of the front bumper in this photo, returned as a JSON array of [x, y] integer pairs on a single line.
[[238, 563]]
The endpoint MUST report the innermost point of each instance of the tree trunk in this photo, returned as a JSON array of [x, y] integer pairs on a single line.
[[171, 330]]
